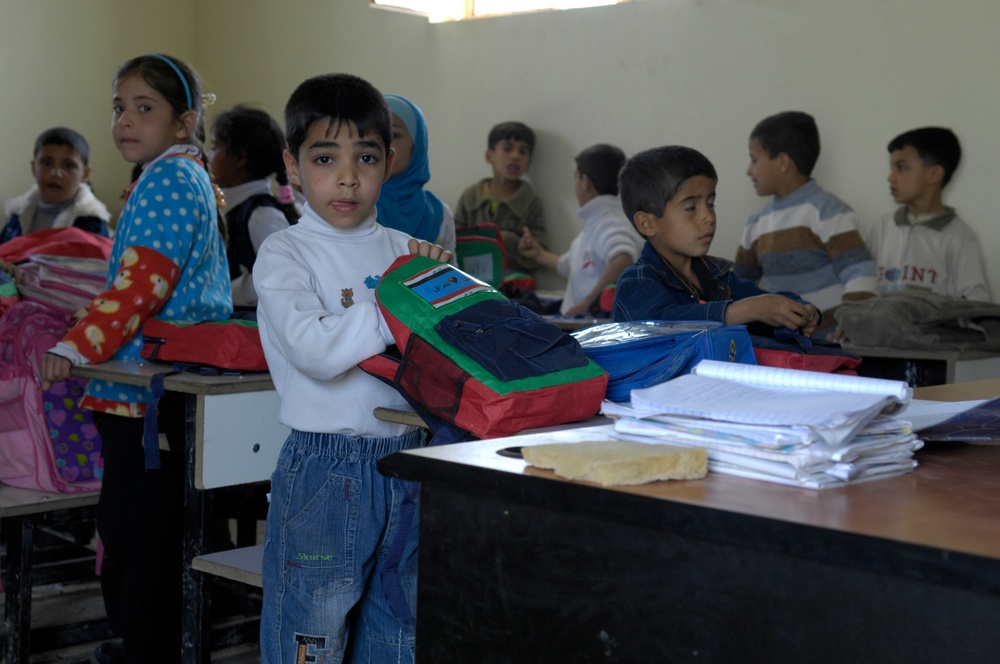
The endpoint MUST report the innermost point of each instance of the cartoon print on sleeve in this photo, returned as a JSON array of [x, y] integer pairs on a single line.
[[144, 280]]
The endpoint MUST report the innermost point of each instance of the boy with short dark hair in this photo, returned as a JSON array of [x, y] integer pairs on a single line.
[[669, 194], [59, 198], [608, 242], [805, 240], [924, 244], [332, 515], [505, 199]]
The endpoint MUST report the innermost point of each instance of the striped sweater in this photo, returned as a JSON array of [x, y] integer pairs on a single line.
[[807, 243]]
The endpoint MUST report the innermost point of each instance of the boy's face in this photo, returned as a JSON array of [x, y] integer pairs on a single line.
[[764, 170], [582, 188], [686, 227], [910, 179], [340, 172], [58, 170], [509, 158]]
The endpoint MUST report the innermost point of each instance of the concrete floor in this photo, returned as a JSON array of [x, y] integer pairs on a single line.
[[79, 600], [59, 604]]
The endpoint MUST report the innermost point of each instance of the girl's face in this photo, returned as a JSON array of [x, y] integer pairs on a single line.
[[143, 123], [402, 143], [225, 168]]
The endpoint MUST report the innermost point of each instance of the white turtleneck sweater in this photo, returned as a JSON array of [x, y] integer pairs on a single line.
[[318, 319]]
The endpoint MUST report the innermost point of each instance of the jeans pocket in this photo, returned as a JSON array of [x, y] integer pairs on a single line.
[[319, 538]]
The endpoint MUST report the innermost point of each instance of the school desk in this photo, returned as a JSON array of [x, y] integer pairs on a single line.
[[232, 437], [922, 368], [23, 512], [519, 565]]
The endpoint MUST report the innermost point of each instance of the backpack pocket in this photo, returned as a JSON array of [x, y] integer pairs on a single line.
[[510, 341]]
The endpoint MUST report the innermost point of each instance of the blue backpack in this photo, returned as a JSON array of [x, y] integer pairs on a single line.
[[640, 354]]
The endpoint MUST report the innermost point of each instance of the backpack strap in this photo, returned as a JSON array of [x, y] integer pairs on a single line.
[[150, 422], [384, 368]]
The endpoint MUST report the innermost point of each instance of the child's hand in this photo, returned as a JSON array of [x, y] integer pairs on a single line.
[[528, 246], [55, 369], [775, 310], [812, 323], [14, 272], [434, 251]]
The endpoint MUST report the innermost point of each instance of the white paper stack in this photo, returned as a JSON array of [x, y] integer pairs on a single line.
[[783, 425]]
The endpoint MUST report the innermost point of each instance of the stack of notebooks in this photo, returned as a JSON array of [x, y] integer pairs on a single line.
[[782, 425]]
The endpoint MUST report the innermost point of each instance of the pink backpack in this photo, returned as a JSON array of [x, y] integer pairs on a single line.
[[46, 441]]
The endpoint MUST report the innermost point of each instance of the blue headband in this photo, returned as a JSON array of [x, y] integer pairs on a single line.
[[180, 75]]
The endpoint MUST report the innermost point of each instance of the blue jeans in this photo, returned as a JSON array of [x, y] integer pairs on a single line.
[[331, 521]]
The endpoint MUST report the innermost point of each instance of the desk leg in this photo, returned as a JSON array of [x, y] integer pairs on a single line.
[[17, 602], [196, 637]]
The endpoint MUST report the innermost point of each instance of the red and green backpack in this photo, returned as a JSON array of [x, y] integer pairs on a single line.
[[476, 360]]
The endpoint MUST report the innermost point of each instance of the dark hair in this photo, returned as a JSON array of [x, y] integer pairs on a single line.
[[511, 131], [252, 134], [601, 164], [792, 132], [935, 145], [336, 98], [651, 178], [181, 87], [64, 136]]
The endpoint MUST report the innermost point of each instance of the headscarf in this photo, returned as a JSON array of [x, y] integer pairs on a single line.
[[403, 203]]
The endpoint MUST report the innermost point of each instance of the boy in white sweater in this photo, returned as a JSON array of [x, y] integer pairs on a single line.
[[608, 242], [332, 515]]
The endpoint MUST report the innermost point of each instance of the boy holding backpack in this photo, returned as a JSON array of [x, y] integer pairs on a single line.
[[331, 511]]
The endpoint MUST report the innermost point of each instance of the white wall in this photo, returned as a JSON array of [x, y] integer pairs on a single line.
[[647, 73], [655, 72], [58, 58]]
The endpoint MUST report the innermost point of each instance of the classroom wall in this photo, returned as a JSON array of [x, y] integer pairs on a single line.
[[58, 60], [646, 73]]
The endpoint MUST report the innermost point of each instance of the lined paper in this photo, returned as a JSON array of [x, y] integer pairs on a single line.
[[794, 379]]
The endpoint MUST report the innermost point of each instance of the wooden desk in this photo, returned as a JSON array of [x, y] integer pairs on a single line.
[[920, 368], [517, 564], [22, 513], [232, 436]]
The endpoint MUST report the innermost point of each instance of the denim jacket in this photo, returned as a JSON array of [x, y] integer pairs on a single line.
[[649, 290]]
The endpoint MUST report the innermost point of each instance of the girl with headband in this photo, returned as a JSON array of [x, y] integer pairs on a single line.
[[168, 262]]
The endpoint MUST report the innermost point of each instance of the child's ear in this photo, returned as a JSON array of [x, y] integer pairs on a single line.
[[935, 174], [188, 121], [390, 158], [489, 157], [645, 223], [86, 174], [785, 162], [292, 168]]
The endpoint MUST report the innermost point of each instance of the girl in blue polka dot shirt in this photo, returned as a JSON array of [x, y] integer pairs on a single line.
[[168, 262]]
